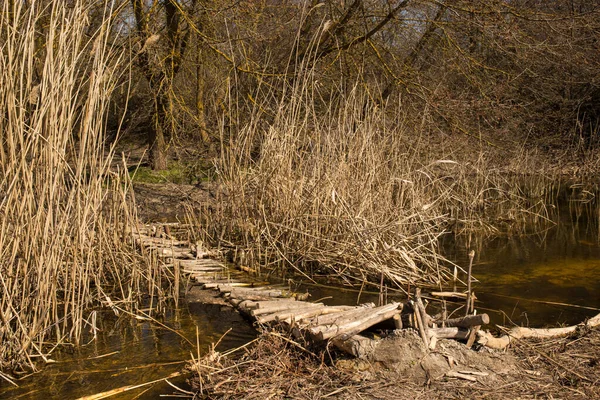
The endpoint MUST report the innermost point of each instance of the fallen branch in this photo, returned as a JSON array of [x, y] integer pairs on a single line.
[[501, 343], [123, 389]]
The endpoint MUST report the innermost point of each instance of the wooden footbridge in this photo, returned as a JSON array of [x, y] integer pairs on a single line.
[[271, 305], [264, 303]]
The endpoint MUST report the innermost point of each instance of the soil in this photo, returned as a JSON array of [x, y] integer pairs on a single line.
[[170, 202], [276, 367]]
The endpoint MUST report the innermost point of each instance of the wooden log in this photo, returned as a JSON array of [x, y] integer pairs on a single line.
[[467, 322], [201, 269], [357, 346], [283, 306], [235, 302], [241, 292], [457, 295], [175, 253], [350, 314], [205, 277], [287, 313], [427, 320], [448, 333], [254, 298], [332, 321], [472, 336], [215, 284], [268, 307], [432, 342], [488, 340], [329, 319], [469, 294], [421, 324], [398, 321], [501, 343], [298, 317], [246, 306], [454, 374], [202, 262], [357, 327], [347, 328]]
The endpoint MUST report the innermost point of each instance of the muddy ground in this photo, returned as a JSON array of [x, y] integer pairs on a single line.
[[275, 367]]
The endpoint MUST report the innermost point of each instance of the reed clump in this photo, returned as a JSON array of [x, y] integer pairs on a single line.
[[63, 210], [357, 192]]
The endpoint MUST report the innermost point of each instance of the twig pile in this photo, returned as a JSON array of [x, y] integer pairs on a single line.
[[275, 367]]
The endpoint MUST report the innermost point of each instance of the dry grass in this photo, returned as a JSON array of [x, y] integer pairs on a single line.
[[277, 368], [272, 368], [63, 212], [351, 192]]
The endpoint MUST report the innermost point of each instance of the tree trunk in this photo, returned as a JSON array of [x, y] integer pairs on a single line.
[[200, 112], [156, 136]]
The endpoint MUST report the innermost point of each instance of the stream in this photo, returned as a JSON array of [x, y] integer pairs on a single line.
[[546, 277], [131, 352]]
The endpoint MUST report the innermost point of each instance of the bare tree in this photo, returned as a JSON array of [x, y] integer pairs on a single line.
[[161, 70]]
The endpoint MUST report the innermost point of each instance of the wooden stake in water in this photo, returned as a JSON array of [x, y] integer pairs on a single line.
[[176, 272], [471, 257]]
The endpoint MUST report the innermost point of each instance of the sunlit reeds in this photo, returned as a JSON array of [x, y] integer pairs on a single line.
[[63, 211], [359, 193]]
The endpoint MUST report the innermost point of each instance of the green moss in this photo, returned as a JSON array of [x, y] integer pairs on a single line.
[[176, 172]]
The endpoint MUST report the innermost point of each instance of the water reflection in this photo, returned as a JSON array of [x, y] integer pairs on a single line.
[[131, 352], [540, 278]]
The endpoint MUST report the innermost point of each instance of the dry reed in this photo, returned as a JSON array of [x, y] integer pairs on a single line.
[[352, 192], [63, 211]]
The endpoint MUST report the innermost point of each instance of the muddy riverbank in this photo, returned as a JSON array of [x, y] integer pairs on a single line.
[[278, 368]]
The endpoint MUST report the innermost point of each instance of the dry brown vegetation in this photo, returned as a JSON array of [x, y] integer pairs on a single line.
[[63, 211], [345, 136], [278, 368], [349, 144]]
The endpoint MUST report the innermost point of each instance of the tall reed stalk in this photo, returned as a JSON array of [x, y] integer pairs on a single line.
[[62, 210], [358, 192]]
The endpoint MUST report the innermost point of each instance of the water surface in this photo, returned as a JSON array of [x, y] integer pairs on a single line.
[[131, 352]]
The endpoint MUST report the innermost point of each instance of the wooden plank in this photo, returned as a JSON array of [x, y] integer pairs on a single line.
[[287, 313], [356, 324]]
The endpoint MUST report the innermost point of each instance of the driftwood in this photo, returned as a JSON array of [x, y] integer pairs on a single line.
[[347, 328], [357, 345], [501, 343]]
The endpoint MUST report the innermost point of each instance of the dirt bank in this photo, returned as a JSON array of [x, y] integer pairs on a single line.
[[275, 367]]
